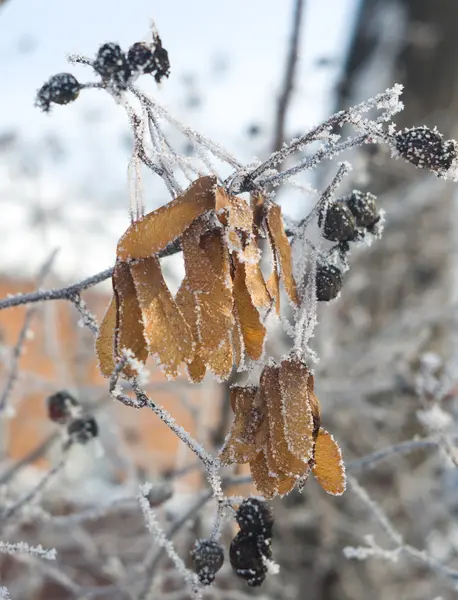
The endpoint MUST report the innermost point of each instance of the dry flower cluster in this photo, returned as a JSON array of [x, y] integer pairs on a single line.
[[216, 321]]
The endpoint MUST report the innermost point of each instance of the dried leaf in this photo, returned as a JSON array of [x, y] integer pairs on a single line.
[[329, 469], [253, 331], [129, 325], [203, 254], [281, 245], [264, 481], [215, 317], [254, 278], [186, 302], [298, 401], [167, 333], [279, 457], [105, 342], [273, 281], [220, 360], [240, 446], [157, 229], [233, 211], [237, 343], [286, 484]]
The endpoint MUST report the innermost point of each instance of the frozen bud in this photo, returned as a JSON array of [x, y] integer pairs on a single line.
[[328, 282], [83, 430], [60, 89], [255, 517], [111, 64], [208, 558], [425, 148], [62, 407], [161, 61], [339, 222], [363, 207], [247, 554], [141, 58]]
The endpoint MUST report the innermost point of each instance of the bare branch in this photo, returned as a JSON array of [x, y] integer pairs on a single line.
[[290, 72]]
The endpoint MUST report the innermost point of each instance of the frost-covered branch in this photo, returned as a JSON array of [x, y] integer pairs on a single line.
[[24, 548], [400, 548]]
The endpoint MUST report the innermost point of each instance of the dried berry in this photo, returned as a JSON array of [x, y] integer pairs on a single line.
[[339, 223], [425, 148], [161, 60], [208, 558], [60, 89], [363, 207], [328, 282], [247, 555], [112, 65], [255, 517], [141, 58], [83, 430], [62, 407]]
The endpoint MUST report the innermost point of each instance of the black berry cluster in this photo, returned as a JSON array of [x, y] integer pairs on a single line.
[[346, 220], [251, 548], [116, 69], [208, 558], [426, 149], [60, 89], [64, 409]]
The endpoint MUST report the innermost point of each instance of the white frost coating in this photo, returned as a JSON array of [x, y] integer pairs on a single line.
[[372, 549], [24, 548], [4, 594]]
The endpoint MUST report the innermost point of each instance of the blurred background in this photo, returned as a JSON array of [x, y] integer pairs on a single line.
[[388, 345]]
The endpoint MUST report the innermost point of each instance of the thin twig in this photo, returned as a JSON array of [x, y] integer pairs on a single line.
[[17, 351], [9, 512], [290, 72]]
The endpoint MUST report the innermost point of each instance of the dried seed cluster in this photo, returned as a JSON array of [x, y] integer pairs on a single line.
[[276, 429], [208, 558], [64, 409], [116, 69], [345, 220], [251, 548], [216, 318], [426, 148]]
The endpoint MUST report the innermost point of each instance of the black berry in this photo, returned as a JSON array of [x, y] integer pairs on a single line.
[[255, 517], [425, 148], [62, 407], [363, 207], [60, 89], [328, 282], [141, 58], [339, 222], [83, 430], [208, 558], [112, 65], [247, 555]]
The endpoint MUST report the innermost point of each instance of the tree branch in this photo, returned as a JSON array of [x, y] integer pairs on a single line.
[[290, 72]]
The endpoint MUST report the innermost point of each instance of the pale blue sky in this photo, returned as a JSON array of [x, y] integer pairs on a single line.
[[250, 35]]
